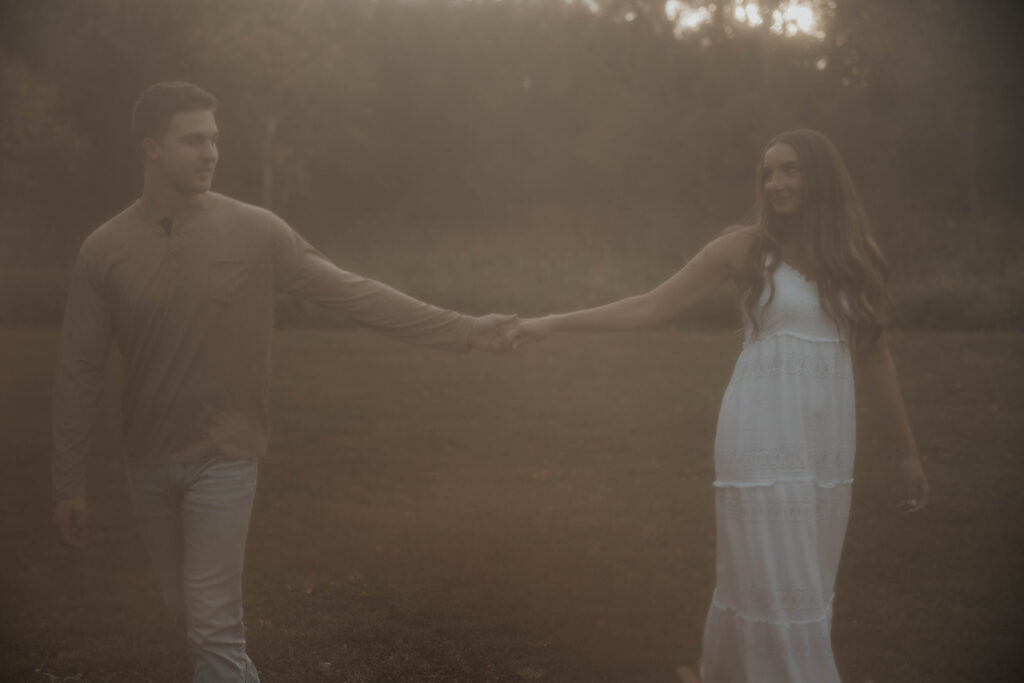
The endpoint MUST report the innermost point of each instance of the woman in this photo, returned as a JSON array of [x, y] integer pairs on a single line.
[[814, 300]]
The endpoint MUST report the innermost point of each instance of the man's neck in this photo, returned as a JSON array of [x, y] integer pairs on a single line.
[[160, 200]]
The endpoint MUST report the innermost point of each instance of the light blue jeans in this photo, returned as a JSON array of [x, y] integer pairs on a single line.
[[194, 519]]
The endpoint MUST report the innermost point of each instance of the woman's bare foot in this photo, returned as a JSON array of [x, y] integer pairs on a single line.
[[686, 675]]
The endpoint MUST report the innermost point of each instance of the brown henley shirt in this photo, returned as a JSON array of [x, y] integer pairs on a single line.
[[192, 311]]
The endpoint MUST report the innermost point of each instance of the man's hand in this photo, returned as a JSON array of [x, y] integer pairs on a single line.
[[529, 331], [72, 518], [489, 332]]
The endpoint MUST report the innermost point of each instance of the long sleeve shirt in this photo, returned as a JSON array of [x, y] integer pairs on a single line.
[[190, 303]]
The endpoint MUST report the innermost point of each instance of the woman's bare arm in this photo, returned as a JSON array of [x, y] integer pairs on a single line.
[[879, 374], [720, 261]]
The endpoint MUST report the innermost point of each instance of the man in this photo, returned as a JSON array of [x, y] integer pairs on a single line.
[[185, 280]]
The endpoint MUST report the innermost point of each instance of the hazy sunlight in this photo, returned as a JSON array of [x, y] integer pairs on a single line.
[[790, 18]]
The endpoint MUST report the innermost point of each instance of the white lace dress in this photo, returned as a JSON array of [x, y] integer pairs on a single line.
[[784, 468]]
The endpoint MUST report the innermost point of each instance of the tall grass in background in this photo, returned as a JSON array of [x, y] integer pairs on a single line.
[[560, 259], [958, 274], [552, 260]]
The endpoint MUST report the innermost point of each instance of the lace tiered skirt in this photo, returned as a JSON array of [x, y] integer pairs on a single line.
[[784, 468]]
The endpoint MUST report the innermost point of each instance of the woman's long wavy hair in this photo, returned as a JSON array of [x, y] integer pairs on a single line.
[[846, 264]]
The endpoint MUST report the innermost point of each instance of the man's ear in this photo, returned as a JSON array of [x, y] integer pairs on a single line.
[[150, 149]]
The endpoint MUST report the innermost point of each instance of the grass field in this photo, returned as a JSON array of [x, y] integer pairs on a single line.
[[565, 258], [545, 516]]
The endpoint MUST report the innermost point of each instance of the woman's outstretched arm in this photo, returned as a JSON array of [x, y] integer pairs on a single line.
[[879, 375], [721, 260]]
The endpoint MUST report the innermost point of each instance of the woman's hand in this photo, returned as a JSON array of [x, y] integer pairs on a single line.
[[529, 330], [490, 332], [915, 485]]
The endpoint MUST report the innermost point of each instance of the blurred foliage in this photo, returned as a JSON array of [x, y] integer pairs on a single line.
[[33, 136], [365, 120]]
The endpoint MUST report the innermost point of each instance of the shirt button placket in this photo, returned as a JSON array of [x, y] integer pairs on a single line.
[[168, 224], [172, 235]]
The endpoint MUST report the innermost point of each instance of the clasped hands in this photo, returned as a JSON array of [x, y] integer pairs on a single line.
[[500, 333]]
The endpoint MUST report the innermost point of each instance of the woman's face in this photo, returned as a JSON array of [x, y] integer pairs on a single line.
[[783, 184]]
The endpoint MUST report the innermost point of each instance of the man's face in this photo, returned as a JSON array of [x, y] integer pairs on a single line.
[[186, 154]]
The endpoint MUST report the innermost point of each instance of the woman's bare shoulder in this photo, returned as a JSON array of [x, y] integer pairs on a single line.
[[740, 232], [732, 246]]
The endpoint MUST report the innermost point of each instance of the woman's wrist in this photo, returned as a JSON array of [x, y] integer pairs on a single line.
[[552, 323], [909, 455], [908, 445]]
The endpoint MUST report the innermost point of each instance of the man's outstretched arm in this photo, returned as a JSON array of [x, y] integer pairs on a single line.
[[302, 271]]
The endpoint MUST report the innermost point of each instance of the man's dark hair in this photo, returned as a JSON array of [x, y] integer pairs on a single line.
[[160, 101]]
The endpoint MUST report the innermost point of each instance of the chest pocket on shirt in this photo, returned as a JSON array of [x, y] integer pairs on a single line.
[[229, 281]]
